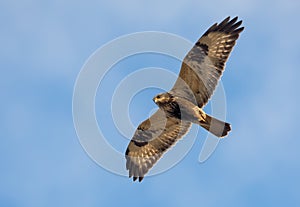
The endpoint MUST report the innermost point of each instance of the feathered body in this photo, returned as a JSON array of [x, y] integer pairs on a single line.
[[200, 72]]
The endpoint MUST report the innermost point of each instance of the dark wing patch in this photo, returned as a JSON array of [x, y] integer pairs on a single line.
[[149, 143], [204, 64], [204, 47]]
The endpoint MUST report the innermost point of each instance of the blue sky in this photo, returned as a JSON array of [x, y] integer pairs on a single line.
[[44, 44]]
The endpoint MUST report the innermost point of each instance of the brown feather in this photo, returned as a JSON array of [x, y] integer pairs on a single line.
[[199, 75], [140, 158], [204, 64]]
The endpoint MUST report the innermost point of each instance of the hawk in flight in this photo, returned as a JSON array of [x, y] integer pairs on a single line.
[[200, 72]]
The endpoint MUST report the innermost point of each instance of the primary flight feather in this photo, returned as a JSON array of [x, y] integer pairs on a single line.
[[200, 72]]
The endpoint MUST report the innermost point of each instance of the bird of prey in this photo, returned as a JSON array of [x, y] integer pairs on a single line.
[[200, 72]]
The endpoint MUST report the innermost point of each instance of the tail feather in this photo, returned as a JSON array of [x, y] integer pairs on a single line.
[[215, 126]]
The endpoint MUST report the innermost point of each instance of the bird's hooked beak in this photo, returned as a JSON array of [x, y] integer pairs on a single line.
[[155, 99]]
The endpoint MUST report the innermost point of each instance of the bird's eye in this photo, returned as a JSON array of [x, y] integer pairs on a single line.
[[158, 96]]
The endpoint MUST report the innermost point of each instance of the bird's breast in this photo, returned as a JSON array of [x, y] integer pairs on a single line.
[[173, 110]]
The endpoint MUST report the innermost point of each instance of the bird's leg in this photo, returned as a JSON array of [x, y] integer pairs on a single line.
[[202, 115]]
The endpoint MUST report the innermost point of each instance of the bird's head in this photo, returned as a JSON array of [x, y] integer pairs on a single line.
[[163, 98]]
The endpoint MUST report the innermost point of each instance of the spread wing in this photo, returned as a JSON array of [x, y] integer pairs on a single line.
[[204, 64], [151, 139]]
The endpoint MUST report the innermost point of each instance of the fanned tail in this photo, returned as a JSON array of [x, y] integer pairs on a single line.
[[215, 126]]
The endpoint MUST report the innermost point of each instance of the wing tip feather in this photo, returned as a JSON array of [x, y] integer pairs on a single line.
[[230, 26]]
